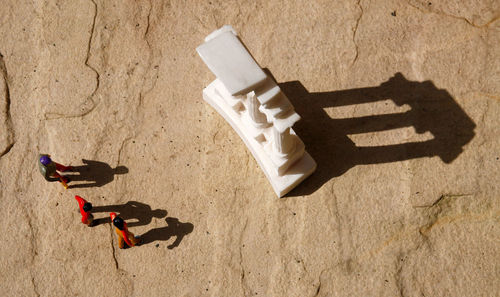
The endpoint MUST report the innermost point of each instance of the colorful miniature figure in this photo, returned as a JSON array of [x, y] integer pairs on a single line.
[[49, 168], [124, 236], [85, 208]]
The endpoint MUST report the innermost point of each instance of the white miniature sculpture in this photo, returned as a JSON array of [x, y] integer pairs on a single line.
[[254, 105]]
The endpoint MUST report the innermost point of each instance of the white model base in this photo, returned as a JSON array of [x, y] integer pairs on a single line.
[[293, 169]]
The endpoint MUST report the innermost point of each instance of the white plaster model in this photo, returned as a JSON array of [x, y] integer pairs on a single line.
[[254, 105]]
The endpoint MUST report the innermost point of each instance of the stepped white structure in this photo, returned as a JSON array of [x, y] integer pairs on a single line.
[[256, 108]]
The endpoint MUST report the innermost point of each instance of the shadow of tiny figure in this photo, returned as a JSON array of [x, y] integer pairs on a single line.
[[431, 110], [95, 173], [174, 228], [142, 213]]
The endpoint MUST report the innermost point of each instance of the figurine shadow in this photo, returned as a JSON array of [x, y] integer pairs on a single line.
[[94, 173], [174, 228], [141, 214], [432, 110]]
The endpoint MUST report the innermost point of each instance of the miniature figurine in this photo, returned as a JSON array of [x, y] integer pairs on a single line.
[[85, 208], [49, 168], [252, 102], [124, 236]]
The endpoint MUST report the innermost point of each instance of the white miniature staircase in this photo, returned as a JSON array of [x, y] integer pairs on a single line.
[[256, 108]]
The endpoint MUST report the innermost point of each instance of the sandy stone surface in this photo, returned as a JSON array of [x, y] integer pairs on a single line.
[[400, 105]]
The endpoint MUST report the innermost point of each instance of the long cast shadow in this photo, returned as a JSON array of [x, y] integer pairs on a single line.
[[174, 228], [141, 214], [94, 173], [432, 110]]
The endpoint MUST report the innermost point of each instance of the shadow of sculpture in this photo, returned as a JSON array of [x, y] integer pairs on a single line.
[[95, 173], [141, 214], [174, 228], [432, 110]]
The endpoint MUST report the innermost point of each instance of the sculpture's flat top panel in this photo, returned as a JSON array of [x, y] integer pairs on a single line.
[[229, 60]]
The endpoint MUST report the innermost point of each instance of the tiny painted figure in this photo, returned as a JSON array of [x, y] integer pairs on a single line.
[[49, 168], [125, 238], [85, 208]]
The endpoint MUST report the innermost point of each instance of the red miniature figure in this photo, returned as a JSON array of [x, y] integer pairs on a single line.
[[124, 236], [85, 208], [49, 168]]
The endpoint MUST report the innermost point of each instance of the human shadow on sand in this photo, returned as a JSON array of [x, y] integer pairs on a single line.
[[135, 213], [431, 110], [174, 228], [94, 173]]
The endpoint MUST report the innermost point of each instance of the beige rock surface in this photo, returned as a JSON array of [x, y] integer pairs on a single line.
[[400, 104]]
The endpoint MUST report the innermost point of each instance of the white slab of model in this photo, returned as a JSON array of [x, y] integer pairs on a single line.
[[256, 108]]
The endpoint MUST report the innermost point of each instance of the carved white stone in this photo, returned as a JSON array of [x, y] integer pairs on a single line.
[[259, 118], [254, 105], [228, 59]]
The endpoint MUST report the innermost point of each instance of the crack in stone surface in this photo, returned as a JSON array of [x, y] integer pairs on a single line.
[[434, 218], [399, 281], [318, 288], [121, 149], [90, 98], [355, 31], [442, 198], [439, 215], [122, 274], [6, 150], [143, 93], [92, 29], [113, 250], [483, 115], [35, 288], [148, 23], [242, 276], [8, 120], [464, 19], [34, 252]]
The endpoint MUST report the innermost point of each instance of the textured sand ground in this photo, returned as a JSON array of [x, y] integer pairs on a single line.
[[400, 104]]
